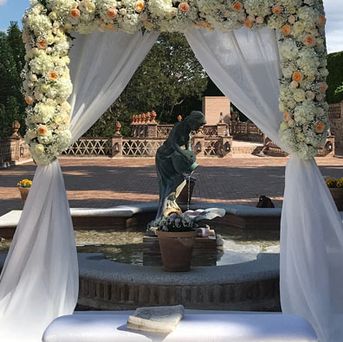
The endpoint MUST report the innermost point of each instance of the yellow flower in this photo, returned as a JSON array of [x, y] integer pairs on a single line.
[[25, 183]]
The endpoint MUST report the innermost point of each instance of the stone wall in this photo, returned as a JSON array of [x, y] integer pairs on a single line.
[[336, 122]]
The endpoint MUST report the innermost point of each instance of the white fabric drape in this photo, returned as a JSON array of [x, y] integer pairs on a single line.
[[244, 65], [39, 281]]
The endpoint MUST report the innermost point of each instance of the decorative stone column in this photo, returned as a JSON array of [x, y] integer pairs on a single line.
[[117, 141]]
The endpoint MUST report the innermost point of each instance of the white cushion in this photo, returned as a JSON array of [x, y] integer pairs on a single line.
[[197, 326]]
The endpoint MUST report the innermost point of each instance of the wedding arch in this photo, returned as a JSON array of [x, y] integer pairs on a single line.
[[268, 56]]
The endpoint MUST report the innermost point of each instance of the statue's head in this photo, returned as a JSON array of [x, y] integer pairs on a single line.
[[195, 120]]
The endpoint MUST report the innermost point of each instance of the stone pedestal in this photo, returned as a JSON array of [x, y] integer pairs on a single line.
[[117, 146], [151, 130]]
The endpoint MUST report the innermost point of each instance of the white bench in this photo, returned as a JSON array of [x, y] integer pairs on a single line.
[[197, 326]]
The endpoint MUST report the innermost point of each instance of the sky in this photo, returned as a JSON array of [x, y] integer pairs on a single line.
[[12, 10]]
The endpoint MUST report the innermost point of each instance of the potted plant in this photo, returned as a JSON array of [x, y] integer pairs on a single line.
[[24, 186], [335, 186], [176, 234]]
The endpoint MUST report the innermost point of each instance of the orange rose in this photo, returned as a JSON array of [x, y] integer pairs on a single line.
[[28, 100], [277, 9], [297, 76], [322, 20], [286, 30], [309, 40], [75, 13], [111, 12], [139, 6], [237, 6], [287, 116], [319, 127], [53, 75], [42, 130], [323, 87], [249, 22], [42, 43], [184, 7]]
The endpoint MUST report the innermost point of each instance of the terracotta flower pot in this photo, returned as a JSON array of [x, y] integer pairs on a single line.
[[24, 192], [337, 194], [176, 250]]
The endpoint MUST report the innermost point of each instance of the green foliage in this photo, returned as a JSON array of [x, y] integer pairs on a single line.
[[12, 55], [335, 78], [170, 81]]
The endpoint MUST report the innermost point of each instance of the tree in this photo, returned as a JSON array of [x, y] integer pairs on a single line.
[[12, 60], [169, 80], [335, 78]]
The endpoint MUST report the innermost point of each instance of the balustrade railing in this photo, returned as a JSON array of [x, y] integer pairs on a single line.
[[90, 147], [140, 147], [247, 131]]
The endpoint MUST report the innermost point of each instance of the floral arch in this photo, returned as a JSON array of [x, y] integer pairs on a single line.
[[41, 268], [300, 23]]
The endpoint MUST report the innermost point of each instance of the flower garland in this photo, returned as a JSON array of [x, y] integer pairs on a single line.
[[47, 83]]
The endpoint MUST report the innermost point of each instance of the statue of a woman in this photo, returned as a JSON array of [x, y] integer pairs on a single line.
[[174, 160]]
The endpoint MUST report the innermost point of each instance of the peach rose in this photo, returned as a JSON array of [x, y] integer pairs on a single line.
[[75, 13], [292, 19], [249, 22], [28, 100], [297, 76], [259, 20], [184, 7], [286, 30], [309, 40], [42, 130], [319, 127], [322, 20], [111, 12], [294, 84], [287, 116], [42, 43], [53, 75], [277, 9], [139, 6], [237, 6]]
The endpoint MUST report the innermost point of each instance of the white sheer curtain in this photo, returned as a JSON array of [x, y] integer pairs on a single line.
[[39, 281], [244, 64]]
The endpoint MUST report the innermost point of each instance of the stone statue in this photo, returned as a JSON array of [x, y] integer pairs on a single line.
[[174, 160]]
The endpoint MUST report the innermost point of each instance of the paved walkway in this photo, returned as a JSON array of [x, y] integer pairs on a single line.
[[103, 182]]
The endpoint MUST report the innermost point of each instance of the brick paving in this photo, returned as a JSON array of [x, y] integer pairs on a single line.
[[103, 182]]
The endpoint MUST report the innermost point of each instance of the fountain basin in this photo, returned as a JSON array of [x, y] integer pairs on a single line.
[[109, 285]]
